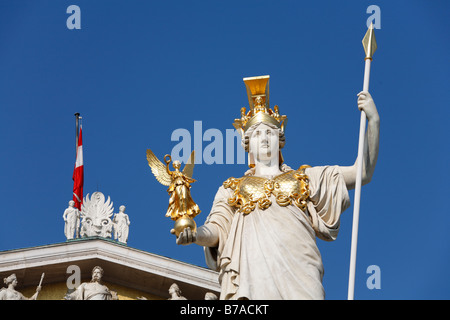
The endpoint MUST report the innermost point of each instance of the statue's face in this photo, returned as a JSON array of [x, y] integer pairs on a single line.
[[176, 164], [264, 143], [173, 289], [96, 274], [14, 282]]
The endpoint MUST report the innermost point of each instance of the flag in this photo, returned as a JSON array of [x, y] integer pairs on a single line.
[[78, 175]]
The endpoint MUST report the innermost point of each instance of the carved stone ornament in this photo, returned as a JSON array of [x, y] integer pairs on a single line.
[[96, 216]]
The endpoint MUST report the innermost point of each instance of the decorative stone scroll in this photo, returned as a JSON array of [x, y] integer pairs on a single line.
[[96, 219], [96, 216]]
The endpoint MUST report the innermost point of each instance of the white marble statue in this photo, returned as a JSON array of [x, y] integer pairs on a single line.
[[121, 225], [71, 218], [175, 293], [261, 232], [93, 290], [10, 293], [96, 216]]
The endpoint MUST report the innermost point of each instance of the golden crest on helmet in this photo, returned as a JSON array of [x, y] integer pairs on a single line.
[[258, 100]]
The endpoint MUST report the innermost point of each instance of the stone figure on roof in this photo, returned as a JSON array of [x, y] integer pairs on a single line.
[[71, 218], [121, 225]]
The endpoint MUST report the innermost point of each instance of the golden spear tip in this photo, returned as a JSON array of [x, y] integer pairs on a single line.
[[369, 42]]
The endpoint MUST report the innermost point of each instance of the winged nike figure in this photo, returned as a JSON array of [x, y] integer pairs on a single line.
[[179, 182]]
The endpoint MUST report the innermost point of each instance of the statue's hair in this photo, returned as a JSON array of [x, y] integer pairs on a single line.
[[245, 141], [175, 287], [210, 296], [9, 279], [99, 268]]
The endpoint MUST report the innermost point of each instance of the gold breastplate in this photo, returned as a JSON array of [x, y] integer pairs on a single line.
[[291, 187]]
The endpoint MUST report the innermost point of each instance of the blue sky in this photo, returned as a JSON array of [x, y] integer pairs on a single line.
[[139, 70]]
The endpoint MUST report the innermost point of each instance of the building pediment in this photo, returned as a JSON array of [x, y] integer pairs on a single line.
[[123, 266]]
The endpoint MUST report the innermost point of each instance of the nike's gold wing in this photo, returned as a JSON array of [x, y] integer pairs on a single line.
[[189, 167], [158, 169]]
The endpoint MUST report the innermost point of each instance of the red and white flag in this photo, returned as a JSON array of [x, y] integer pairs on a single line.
[[78, 175]]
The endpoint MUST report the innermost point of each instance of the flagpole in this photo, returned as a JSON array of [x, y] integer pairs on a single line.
[[77, 130], [370, 46], [78, 173]]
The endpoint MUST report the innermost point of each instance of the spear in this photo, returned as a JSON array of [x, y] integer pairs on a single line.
[[40, 283], [370, 45]]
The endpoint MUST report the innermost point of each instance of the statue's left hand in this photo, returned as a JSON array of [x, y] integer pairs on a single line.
[[187, 236], [366, 104]]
